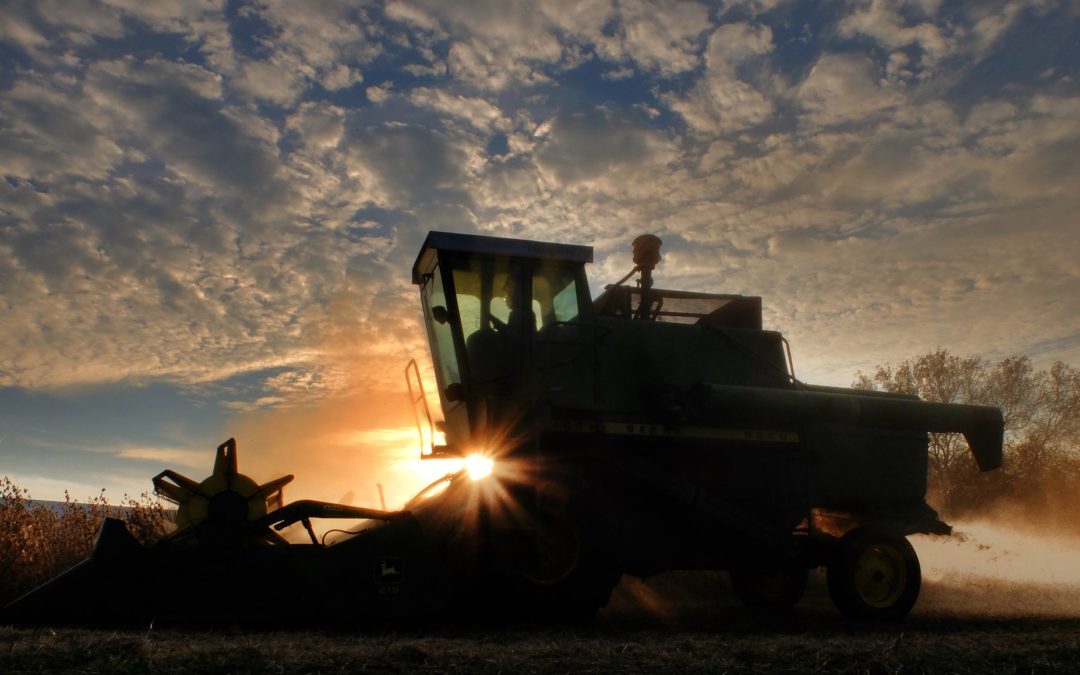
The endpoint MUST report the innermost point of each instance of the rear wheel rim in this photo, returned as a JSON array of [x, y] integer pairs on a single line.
[[880, 576]]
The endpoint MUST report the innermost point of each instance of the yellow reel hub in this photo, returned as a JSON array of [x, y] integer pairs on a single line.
[[226, 498]]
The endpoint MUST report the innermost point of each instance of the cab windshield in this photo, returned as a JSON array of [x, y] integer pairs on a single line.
[[492, 293]]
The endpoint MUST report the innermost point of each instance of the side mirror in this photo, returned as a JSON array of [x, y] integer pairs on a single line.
[[439, 313]]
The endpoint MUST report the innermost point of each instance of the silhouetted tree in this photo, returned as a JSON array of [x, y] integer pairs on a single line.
[[1042, 427]]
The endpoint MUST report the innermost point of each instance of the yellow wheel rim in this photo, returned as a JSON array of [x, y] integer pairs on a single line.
[[880, 576]]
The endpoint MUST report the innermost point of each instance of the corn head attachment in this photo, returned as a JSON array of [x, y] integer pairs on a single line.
[[228, 560]]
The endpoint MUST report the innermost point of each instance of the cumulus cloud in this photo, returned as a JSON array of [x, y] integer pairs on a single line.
[[491, 45], [412, 14], [228, 198], [48, 134], [721, 101], [319, 125], [477, 112], [229, 201], [898, 25], [659, 36], [483, 66], [845, 88], [277, 80], [494, 45], [325, 35], [340, 77], [175, 109], [409, 165], [169, 242], [601, 144]]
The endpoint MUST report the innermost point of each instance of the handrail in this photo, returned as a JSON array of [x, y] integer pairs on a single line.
[[791, 362], [414, 399]]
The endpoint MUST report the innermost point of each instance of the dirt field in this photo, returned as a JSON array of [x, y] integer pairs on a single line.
[[685, 623]]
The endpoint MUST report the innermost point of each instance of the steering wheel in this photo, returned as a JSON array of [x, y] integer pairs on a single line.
[[498, 324]]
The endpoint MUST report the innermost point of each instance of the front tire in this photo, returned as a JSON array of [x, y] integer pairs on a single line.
[[874, 576], [570, 574], [771, 587]]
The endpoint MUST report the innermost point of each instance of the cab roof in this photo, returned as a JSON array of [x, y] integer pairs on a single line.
[[498, 246]]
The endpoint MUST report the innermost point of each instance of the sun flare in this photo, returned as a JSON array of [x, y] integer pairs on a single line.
[[478, 466]]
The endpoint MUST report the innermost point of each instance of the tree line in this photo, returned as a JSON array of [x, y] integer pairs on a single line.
[[1040, 475]]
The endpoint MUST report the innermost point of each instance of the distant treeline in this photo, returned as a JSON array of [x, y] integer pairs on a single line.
[[1040, 478], [94, 505]]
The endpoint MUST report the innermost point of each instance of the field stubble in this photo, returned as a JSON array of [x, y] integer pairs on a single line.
[[675, 622], [993, 601]]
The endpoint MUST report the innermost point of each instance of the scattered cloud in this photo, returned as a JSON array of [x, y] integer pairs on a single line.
[[659, 36], [478, 113], [845, 89], [173, 457], [193, 193], [602, 145], [722, 102], [899, 25]]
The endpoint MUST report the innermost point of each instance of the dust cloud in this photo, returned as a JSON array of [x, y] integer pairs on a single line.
[[1006, 569], [997, 568]]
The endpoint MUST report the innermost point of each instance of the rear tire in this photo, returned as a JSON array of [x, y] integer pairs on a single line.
[[874, 576]]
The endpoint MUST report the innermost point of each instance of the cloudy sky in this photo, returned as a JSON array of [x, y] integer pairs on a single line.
[[209, 209]]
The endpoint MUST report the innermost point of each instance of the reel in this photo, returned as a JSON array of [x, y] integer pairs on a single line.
[[219, 507]]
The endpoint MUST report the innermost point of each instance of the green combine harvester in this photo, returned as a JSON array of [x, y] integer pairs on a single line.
[[642, 431]]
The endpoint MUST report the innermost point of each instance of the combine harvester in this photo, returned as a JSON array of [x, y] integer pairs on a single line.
[[643, 431]]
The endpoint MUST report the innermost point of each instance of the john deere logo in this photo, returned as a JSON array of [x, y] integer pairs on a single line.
[[389, 570]]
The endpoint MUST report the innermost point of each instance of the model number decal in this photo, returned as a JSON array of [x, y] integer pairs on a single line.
[[766, 435], [636, 429]]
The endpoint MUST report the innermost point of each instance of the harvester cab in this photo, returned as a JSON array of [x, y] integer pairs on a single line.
[[511, 323], [499, 314]]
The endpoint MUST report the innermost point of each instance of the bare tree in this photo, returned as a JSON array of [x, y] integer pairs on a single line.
[[1042, 429]]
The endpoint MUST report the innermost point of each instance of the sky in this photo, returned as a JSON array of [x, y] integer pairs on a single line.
[[209, 210]]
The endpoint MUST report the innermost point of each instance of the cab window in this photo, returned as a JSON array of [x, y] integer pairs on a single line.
[[555, 295], [440, 331]]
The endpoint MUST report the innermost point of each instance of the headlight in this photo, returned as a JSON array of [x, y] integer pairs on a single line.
[[478, 466]]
